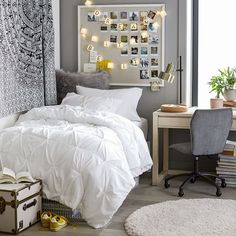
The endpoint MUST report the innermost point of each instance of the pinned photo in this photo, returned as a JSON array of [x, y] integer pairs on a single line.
[[124, 15], [143, 27], [113, 38], [114, 15], [114, 27], [144, 62], [143, 15], [134, 50], [133, 39], [134, 62], [153, 27], [123, 27], [103, 16], [144, 74], [154, 73], [103, 28], [124, 51], [91, 16], [133, 16], [153, 39], [124, 38], [154, 61], [154, 50], [144, 51], [133, 27], [144, 38], [151, 14]]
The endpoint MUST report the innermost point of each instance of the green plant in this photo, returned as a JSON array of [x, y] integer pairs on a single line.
[[225, 81]]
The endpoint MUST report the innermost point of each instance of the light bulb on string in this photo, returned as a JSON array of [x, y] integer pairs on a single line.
[[94, 38], [88, 3], [163, 13]]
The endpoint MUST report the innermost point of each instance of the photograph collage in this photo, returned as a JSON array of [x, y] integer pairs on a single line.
[[137, 31]]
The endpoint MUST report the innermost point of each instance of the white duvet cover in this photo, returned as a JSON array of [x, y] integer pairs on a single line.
[[86, 159]]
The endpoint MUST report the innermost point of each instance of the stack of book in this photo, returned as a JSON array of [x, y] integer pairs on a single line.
[[227, 164]]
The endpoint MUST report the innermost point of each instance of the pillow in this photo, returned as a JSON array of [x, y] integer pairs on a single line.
[[130, 98], [66, 82], [93, 103]]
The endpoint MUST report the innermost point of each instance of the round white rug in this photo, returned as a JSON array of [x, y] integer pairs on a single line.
[[187, 217]]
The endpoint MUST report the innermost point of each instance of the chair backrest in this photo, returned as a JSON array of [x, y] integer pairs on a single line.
[[209, 130]]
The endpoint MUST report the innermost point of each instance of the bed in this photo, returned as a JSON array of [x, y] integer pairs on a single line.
[[87, 155]]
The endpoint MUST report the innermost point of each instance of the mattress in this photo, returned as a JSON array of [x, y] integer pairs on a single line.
[[143, 125]]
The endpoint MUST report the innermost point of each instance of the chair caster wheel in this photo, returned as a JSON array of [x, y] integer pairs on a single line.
[[167, 185], [193, 180], [218, 193], [181, 193], [223, 184]]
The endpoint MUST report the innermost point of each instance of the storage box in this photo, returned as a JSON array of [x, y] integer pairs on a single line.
[[20, 206]]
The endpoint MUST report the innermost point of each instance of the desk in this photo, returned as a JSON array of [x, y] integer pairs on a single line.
[[169, 120]]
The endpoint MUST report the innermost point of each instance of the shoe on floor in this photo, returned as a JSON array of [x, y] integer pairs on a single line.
[[46, 218], [58, 222]]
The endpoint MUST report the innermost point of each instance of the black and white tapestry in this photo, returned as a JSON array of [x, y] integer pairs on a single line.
[[27, 71]]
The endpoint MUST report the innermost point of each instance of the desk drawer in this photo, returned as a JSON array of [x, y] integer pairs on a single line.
[[174, 122]]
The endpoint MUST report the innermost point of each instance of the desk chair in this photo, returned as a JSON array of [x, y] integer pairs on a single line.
[[209, 130]]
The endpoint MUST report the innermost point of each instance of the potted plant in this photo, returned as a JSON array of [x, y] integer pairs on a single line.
[[229, 76], [223, 84]]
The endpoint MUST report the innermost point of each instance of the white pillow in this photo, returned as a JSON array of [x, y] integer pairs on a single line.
[[93, 103], [130, 98]]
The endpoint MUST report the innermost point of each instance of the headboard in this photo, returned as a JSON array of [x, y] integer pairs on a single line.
[[66, 82]]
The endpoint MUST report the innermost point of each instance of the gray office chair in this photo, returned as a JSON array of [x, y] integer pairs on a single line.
[[209, 130]]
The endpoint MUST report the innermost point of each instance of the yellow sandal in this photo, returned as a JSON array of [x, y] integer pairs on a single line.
[[46, 217], [58, 222]]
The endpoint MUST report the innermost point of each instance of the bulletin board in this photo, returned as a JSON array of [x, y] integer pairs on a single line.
[[130, 36]]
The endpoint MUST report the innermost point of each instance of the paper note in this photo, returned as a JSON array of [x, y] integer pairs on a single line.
[[93, 56], [89, 67]]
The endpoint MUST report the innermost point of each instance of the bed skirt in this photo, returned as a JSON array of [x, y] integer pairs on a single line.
[[58, 208]]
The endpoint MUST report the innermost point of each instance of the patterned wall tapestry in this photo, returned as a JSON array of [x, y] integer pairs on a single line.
[[27, 72]]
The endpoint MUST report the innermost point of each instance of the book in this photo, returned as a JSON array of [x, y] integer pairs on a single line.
[[9, 176], [230, 148]]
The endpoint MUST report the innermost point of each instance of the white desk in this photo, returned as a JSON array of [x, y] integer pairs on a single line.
[[169, 120]]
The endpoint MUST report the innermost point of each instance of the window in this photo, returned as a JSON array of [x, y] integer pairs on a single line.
[[216, 42]]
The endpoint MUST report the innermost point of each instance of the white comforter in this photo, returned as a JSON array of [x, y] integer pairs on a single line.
[[86, 159]]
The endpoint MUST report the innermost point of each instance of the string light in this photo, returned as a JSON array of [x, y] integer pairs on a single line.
[[120, 26], [124, 66], [97, 12], [120, 45], [83, 31], [90, 47], [94, 38], [106, 44], [108, 21], [110, 65], [145, 21], [88, 3], [99, 58], [163, 13]]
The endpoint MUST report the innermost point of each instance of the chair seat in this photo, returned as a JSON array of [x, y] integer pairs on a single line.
[[184, 148]]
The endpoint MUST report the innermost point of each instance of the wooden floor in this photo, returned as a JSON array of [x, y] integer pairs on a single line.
[[144, 194]]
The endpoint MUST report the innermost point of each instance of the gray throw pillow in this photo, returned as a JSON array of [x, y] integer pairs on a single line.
[[66, 82]]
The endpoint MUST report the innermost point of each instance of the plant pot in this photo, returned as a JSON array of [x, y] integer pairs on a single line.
[[216, 103], [230, 95]]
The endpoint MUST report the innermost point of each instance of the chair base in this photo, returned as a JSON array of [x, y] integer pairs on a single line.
[[192, 177]]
